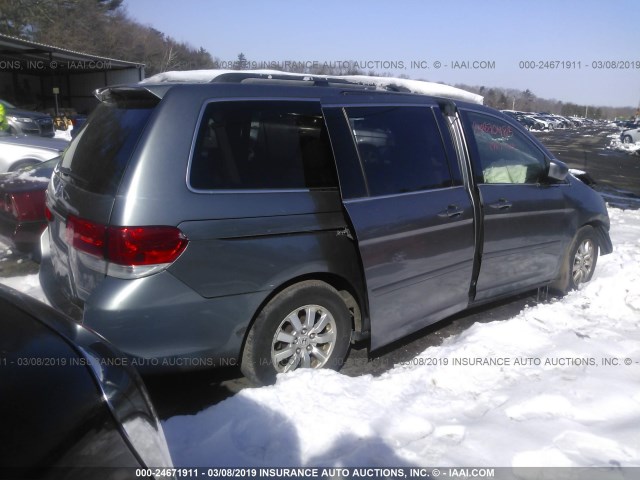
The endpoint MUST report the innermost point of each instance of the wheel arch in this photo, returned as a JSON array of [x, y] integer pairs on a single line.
[[23, 162], [354, 299], [561, 283], [602, 234]]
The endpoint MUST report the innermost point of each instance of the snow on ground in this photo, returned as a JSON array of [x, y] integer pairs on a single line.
[[529, 391], [616, 144], [28, 284], [64, 134]]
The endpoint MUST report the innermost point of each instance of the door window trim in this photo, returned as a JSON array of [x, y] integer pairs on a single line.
[[428, 106], [474, 154]]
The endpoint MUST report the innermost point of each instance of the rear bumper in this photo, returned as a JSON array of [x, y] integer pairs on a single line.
[[159, 320]]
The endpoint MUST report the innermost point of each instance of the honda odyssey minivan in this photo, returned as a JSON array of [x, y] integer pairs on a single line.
[[268, 221]]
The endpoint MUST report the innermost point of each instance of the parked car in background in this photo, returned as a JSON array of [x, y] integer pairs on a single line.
[[26, 122], [554, 121], [22, 193], [563, 122], [19, 152], [545, 122], [631, 135], [284, 217], [70, 406], [626, 124], [530, 123]]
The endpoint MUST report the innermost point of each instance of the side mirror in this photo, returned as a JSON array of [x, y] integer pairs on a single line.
[[557, 170]]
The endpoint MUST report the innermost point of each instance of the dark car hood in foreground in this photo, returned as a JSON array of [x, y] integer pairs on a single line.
[[94, 412]]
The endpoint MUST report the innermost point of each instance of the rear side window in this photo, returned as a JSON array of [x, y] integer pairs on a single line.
[[262, 145], [400, 149], [97, 158]]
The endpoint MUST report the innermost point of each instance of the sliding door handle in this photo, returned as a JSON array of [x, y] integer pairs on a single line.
[[501, 204], [452, 211]]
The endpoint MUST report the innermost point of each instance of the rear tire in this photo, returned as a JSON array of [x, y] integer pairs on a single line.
[[306, 325], [627, 139], [580, 262]]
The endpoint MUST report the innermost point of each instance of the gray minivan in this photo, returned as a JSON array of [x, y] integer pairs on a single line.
[[270, 222]]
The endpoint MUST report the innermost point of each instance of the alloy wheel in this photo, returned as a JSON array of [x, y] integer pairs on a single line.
[[305, 338], [583, 261]]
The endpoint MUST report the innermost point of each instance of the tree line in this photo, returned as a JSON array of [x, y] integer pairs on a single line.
[[527, 101], [103, 28]]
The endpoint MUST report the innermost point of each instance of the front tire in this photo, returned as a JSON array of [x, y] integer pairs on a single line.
[[307, 325], [627, 139], [580, 263]]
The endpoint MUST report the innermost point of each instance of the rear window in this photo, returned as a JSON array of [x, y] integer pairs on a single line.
[[97, 158], [262, 145]]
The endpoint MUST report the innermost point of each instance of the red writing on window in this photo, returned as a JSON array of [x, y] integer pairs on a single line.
[[493, 129]]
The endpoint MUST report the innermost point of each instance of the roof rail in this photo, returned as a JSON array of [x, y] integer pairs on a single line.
[[284, 78], [349, 84]]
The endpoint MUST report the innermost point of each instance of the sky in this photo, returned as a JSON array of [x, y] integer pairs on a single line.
[[593, 45]]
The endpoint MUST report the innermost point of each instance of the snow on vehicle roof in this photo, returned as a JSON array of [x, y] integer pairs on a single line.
[[413, 86]]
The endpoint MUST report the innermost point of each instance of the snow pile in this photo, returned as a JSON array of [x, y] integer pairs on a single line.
[[630, 148], [28, 175], [28, 284], [616, 144], [413, 86], [64, 134], [549, 387], [4, 250]]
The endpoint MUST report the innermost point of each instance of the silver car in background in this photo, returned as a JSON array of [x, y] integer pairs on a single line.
[[631, 135], [18, 152]]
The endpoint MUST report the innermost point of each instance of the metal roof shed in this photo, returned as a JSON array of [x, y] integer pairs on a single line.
[[30, 71]]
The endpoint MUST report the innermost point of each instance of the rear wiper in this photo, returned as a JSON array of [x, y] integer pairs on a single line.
[[66, 171]]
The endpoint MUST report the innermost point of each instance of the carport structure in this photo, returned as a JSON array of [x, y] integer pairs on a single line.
[[31, 72]]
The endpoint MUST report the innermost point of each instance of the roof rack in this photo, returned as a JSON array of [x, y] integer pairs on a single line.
[[284, 79], [349, 84]]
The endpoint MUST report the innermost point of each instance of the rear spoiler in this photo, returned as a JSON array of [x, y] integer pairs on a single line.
[[119, 93]]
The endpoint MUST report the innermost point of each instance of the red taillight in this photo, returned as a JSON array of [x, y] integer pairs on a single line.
[[86, 236], [145, 245], [131, 246], [25, 206], [47, 214]]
